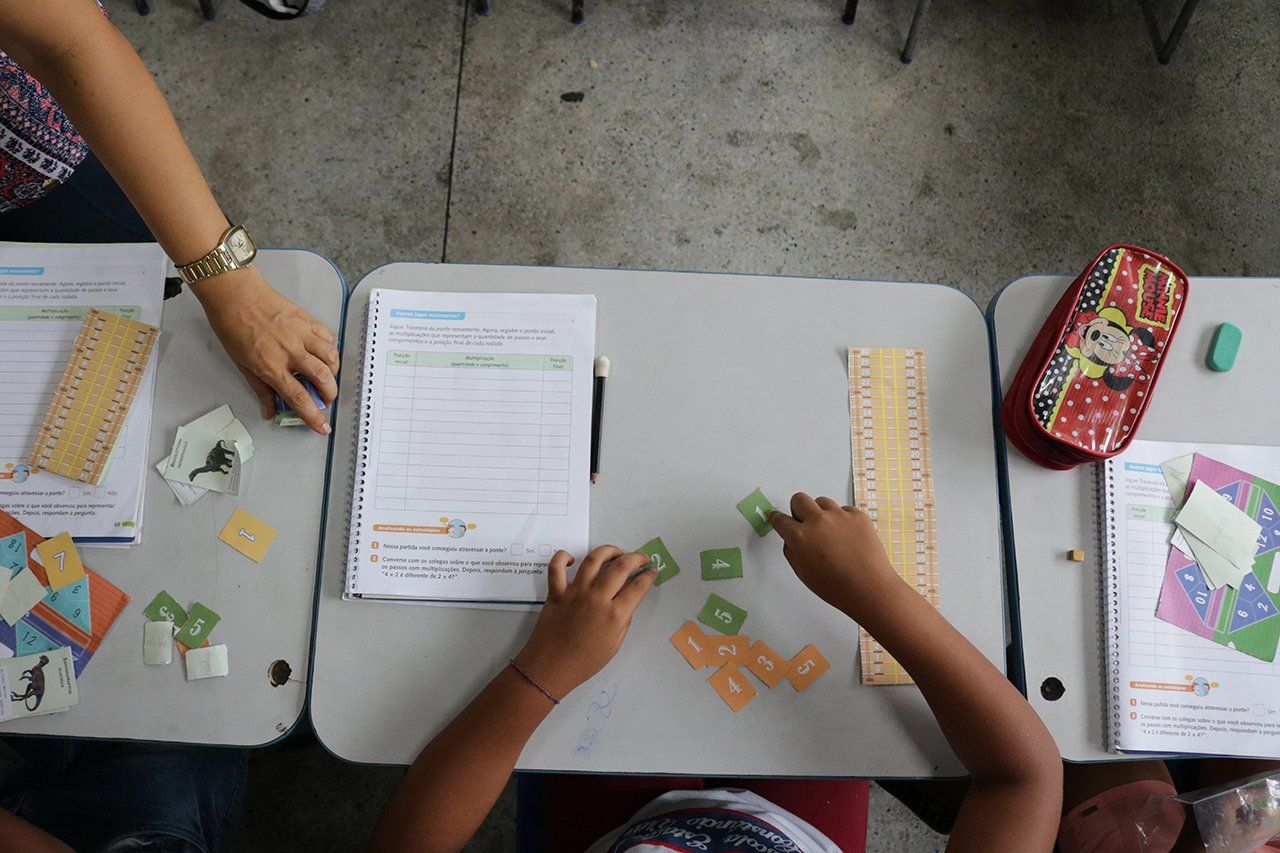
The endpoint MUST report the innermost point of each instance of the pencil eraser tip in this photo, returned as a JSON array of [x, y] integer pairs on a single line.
[[602, 366]]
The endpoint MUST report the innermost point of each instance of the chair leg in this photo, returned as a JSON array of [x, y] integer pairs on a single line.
[[909, 49], [850, 12], [1179, 27], [576, 15], [481, 7], [206, 9]]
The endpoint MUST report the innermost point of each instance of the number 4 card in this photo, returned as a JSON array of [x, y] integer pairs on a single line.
[[733, 687], [249, 535]]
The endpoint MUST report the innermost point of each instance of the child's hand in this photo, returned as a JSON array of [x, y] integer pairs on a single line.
[[835, 551], [583, 623]]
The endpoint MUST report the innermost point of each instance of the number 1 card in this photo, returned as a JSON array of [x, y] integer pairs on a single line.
[[249, 535]]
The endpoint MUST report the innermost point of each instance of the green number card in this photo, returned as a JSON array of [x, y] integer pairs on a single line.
[[165, 608], [725, 617], [660, 559], [721, 563], [199, 625], [755, 508]]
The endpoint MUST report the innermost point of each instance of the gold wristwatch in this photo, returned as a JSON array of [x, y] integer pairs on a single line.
[[235, 250]]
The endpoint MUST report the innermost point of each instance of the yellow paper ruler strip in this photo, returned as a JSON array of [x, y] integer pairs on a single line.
[[893, 477], [93, 396]]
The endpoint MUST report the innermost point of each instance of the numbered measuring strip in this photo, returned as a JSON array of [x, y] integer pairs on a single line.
[[893, 477]]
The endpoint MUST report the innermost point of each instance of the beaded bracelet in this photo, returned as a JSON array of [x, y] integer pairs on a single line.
[[511, 662]]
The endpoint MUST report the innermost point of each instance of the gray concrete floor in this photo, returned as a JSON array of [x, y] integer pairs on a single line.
[[746, 136]]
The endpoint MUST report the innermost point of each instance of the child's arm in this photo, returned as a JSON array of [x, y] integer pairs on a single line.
[[458, 776], [1016, 795]]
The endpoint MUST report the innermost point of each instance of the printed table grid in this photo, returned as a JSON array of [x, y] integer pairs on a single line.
[[893, 477], [93, 396], [492, 437]]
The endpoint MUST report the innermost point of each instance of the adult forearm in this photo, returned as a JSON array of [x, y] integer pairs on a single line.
[[459, 775]]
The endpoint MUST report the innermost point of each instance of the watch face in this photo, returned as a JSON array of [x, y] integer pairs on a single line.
[[241, 245]]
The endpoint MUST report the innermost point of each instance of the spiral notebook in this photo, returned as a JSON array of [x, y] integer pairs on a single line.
[[1168, 689], [472, 462]]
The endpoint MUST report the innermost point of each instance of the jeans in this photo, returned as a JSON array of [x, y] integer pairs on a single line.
[[117, 796]]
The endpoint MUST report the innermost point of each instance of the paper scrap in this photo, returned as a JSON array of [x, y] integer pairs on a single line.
[[721, 563], [755, 508], [157, 643], [30, 640], [186, 493], [206, 460], [210, 662], [1217, 522], [43, 683], [199, 625], [692, 644], [61, 561], [660, 560], [249, 535], [73, 603], [1179, 541], [806, 667], [1177, 475], [185, 648], [13, 553], [728, 650], [1217, 569], [767, 665], [165, 608], [724, 616], [733, 687], [25, 592]]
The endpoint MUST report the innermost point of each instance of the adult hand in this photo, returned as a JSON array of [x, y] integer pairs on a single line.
[[583, 623], [269, 338], [835, 551]]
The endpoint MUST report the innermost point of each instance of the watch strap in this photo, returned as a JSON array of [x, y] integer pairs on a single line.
[[219, 260]]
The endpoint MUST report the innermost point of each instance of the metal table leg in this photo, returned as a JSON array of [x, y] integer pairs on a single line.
[[1175, 35], [910, 47]]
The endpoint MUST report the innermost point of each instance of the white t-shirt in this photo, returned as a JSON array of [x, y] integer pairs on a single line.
[[718, 820]]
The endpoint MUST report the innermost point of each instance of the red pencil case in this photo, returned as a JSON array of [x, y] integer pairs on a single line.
[[1088, 377]]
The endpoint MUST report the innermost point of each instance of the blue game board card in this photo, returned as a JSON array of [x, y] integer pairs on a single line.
[[73, 602], [30, 641], [13, 553]]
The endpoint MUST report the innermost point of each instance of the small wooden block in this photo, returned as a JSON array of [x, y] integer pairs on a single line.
[[733, 687], [806, 667], [728, 650], [692, 644], [1076, 555], [767, 665]]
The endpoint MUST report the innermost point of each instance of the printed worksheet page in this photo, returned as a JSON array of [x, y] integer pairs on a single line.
[[474, 454], [44, 294]]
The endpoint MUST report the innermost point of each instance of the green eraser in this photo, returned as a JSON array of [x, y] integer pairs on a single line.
[[1223, 348]]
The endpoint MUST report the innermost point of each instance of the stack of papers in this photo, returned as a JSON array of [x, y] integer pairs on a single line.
[[1210, 529], [208, 454]]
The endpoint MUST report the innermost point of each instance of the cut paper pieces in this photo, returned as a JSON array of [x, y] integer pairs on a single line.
[[29, 640], [806, 667], [199, 625], [660, 560], [722, 615], [1218, 523], [733, 687], [73, 603], [692, 644], [755, 508], [1179, 541], [165, 608], [186, 493], [721, 563], [208, 454], [728, 650], [61, 561], [209, 662], [1218, 570], [93, 396], [13, 553], [43, 683], [24, 593], [1177, 474], [184, 648], [157, 643], [766, 664], [249, 535], [1243, 618]]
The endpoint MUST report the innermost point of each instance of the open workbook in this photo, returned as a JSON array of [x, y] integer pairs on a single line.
[[1190, 663], [473, 451]]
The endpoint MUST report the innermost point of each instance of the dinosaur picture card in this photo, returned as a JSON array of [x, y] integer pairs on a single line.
[[43, 683], [208, 454]]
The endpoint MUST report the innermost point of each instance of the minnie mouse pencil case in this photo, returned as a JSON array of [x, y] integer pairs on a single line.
[[1088, 377]]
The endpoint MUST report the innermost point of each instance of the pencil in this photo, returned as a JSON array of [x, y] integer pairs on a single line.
[[597, 414]]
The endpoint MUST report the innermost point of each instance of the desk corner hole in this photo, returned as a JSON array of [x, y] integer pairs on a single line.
[[278, 673], [1052, 689]]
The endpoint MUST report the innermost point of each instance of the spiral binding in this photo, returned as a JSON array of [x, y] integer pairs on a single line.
[[360, 447], [1110, 605]]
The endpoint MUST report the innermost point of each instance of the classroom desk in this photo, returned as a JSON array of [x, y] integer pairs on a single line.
[[1053, 511], [720, 383], [266, 608]]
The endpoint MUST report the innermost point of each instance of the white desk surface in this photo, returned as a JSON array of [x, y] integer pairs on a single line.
[[266, 608], [720, 383], [1053, 511]]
